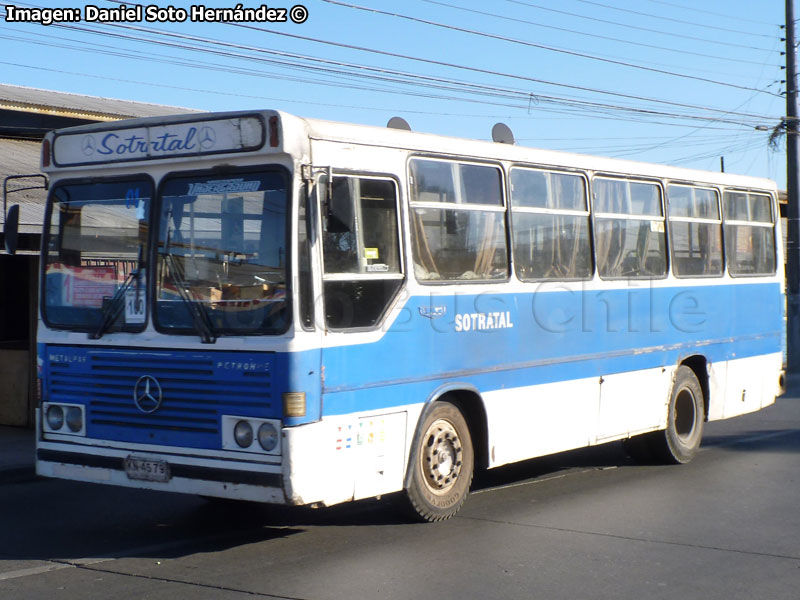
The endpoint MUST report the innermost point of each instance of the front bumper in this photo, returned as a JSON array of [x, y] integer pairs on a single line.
[[199, 475]]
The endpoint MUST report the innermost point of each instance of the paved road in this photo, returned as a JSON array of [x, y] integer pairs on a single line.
[[586, 524]]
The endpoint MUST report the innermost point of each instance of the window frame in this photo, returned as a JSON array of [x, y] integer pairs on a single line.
[[774, 215], [719, 222], [43, 253], [531, 210], [288, 233], [630, 217], [318, 216], [501, 208]]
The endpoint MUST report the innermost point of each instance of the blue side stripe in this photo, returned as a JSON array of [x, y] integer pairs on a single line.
[[556, 336]]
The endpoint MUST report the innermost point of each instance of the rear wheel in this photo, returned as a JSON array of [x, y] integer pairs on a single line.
[[442, 464], [681, 440]]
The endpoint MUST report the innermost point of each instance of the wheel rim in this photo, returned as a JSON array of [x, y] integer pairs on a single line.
[[441, 458], [685, 417]]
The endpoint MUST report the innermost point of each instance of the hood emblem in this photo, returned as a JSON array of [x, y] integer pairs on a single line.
[[147, 394]]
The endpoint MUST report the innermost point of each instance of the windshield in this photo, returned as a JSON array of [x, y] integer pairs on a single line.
[[95, 247], [221, 255]]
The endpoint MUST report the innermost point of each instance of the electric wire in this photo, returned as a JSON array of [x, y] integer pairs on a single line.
[[493, 88], [618, 24], [670, 19], [594, 35], [334, 73], [440, 63], [541, 46], [708, 12]]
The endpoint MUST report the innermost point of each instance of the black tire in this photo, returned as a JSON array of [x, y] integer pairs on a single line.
[[681, 440], [441, 464]]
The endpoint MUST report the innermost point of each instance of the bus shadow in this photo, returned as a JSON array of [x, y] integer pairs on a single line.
[[393, 510], [765, 440], [111, 523], [597, 457]]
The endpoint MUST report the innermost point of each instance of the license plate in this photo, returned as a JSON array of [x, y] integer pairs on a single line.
[[147, 470]]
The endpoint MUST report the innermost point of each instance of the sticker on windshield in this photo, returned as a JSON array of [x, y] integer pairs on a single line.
[[222, 186], [134, 305]]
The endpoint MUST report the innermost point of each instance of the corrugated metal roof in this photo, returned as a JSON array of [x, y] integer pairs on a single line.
[[21, 157], [16, 97]]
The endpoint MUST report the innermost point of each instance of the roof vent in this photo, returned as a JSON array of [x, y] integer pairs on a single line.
[[502, 134], [398, 123]]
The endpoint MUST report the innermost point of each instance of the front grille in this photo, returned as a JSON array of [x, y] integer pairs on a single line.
[[196, 390]]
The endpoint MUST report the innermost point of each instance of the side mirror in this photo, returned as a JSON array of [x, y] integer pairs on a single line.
[[11, 230]]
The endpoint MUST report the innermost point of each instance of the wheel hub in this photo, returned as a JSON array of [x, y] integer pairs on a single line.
[[442, 458]]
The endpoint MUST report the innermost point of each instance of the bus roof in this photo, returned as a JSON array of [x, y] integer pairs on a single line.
[[294, 128], [481, 149]]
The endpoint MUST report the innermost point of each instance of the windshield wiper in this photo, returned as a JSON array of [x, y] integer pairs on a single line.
[[198, 312], [111, 311], [202, 321]]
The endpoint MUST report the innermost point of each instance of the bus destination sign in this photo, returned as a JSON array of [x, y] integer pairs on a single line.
[[189, 138]]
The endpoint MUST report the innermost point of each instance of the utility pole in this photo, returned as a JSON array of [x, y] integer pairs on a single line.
[[793, 191]]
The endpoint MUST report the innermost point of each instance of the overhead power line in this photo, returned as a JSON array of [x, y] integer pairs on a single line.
[[618, 24], [525, 93], [594, 35], [682, 22], [544, 47], [317, 40], [520, 97], [709, 12]]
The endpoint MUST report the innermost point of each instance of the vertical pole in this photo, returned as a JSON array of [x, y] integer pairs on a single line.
[[793, 209]]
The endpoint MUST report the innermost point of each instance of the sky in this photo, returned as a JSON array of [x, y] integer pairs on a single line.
[[666, 81]]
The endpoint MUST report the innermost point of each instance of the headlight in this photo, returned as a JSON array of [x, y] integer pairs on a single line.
[[55, 417], [74, 419], [268, 436], [243, 434]]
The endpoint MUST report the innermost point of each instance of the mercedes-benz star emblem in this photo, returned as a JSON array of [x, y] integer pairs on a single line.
[[207, 138], [88, 145], [147, 394]]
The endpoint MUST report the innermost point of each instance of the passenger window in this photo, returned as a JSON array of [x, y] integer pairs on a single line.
[[749, 233], [550, 225], [458, 221], [630, 240], [695, 231], [361, 250]]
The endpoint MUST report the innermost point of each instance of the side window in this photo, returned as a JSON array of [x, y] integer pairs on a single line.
[[695, 229], [630, 240], [550, 224], [361, 250], [458, 221], [749, 233]]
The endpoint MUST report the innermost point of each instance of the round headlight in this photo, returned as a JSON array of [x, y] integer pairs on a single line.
[[243, 434], [74, 419], [55, 417], [268, 436]]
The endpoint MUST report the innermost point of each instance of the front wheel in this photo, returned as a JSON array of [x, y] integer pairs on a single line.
[[681, 440], [441, 464]]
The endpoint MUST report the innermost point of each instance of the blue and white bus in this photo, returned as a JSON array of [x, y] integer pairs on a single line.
[[257, 306]]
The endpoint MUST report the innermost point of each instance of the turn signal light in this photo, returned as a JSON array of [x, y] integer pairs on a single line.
[[294, 404]]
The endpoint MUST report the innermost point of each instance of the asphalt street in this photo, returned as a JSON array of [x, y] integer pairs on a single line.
[[584, 524]]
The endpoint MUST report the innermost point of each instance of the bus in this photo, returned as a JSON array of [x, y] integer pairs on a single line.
[[262, 307]]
